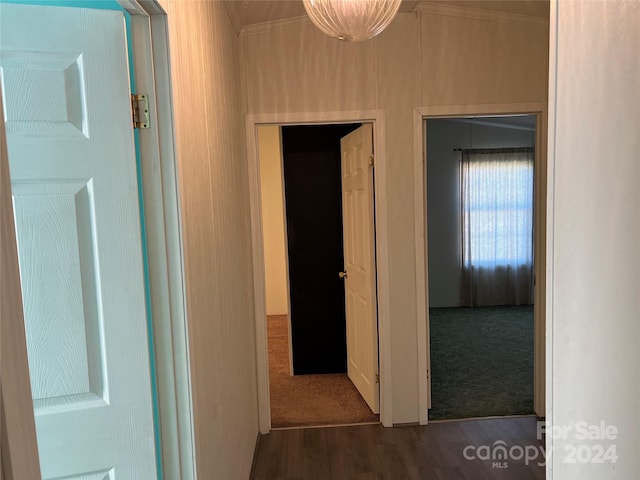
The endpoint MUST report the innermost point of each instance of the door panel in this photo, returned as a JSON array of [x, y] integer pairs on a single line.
[[359, 261], [55, 247], [65, 86]]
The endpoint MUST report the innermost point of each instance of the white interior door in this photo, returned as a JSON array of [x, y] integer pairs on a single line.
[[360, 265], [65, 88]]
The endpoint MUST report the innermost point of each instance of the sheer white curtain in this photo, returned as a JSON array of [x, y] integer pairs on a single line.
[[497, 226]]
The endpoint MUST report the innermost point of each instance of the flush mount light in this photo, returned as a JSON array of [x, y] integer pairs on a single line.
[[351, 20]]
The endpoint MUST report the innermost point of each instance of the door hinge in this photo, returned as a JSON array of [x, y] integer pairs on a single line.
[[140, 110], [377, 378], [371, 161]]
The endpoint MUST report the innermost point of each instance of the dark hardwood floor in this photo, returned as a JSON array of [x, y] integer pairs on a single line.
[[431, 452]]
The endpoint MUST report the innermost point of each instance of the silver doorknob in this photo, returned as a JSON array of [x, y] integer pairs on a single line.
[[342, 274]]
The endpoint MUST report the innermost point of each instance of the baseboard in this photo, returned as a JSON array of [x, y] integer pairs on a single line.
[[495, 417], [406, 424], [255, 455], [330, 425]]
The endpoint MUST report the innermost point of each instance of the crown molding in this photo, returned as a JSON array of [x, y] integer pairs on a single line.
[[434, 8], [234, 21], [429, 7], [265, 27], [490, 123]]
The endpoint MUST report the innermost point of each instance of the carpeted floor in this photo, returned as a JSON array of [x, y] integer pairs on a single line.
[[305, 400], [481, 361]]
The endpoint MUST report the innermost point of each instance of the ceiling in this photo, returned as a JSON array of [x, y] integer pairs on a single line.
[[250, 12]]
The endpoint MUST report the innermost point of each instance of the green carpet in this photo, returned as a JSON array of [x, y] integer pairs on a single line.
[[481, 361]]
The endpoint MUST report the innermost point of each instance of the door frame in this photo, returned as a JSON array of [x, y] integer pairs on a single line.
[[173, 404], [159, 180], [376, 117], [420, 114]]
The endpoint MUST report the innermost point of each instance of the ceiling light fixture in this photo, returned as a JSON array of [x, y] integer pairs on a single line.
[[351, 20]]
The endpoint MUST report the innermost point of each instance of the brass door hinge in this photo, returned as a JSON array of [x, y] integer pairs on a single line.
[[140, 110], [371, 161], [377, 378]]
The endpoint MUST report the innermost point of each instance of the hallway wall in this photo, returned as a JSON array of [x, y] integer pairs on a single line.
[[209, 108], [594, 236]]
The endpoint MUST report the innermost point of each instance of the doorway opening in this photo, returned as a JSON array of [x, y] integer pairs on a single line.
[[320, 346], [480, 198]]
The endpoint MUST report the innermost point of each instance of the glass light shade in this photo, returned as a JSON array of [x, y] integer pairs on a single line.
[[352, 20]]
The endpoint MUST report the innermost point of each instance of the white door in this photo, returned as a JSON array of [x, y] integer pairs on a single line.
[[65, 88], [360, 265]]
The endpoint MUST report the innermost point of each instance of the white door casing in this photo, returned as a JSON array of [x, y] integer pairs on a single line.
[[65, 88], [360, 265], [377, 118]]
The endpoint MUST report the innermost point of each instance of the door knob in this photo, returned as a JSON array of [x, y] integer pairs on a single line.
[[342, 274]]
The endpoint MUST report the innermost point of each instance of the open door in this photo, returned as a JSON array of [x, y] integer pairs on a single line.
[[360, 266], [65, 87]]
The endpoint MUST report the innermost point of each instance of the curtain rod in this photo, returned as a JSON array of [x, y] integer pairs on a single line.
[[488, 149]]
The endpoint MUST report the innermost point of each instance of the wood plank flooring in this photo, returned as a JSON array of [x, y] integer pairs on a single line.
[[372, 452]]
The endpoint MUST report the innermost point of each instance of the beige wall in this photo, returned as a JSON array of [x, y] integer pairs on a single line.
[[422, 59], [212, 169], [594, 226], [273, 229]]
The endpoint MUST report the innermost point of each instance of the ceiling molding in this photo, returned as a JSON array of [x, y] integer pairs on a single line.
[[478, 14], [502, 123], [258, 28], [428, 7]]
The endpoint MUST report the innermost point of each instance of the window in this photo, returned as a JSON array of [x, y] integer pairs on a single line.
[[497, 208]]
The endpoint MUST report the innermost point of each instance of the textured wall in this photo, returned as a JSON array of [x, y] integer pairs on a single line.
[[594, 225], [422, 59], [469, 61], [209, 110]]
